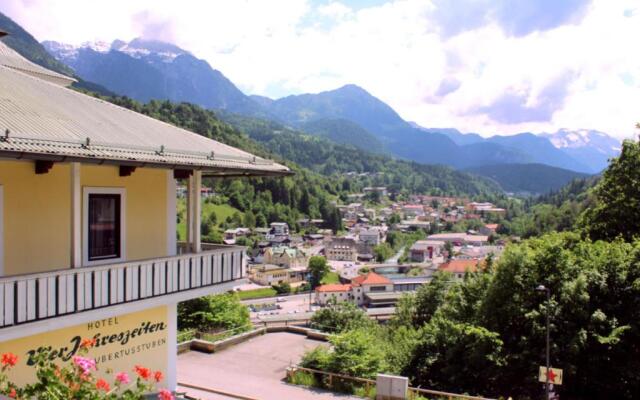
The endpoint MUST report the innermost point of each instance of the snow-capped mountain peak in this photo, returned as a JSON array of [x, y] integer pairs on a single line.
[[593, 148], [137, 48], [566, 138]]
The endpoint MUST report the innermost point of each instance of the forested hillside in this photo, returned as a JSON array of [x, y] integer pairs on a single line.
[[527, 178], [318, 163], [329, 158], [555, 211]]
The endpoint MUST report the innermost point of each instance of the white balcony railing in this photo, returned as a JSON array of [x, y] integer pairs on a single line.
[[33, 297]]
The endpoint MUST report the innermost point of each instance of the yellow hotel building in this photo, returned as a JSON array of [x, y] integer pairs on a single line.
[[88, 224]]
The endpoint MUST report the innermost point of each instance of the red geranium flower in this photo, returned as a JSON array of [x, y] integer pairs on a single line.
[[9, 359], [86, 343], [101, 384], [144, 373], [157, 376], [12, 393], [165, 395]]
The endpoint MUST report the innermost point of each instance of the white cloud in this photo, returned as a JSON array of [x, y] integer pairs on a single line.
[[397, 51], [335, 9]]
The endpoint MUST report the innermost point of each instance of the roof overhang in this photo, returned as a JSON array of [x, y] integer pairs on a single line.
[[34, 149]]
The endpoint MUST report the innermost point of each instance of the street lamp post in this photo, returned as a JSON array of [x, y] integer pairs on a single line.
[[542, 288], [309, 276]]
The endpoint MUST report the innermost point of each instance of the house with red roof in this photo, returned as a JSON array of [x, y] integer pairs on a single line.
[[363, 290], [335, 291], [363, 285], [460, 267]]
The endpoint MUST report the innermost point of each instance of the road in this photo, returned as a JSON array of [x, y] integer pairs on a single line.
[[396, 257], [292, 305]]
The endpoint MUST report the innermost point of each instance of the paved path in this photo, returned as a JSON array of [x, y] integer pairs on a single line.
[[255, 369], [396, 257]]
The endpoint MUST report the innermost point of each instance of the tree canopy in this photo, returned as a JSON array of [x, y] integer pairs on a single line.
[[616, 209]]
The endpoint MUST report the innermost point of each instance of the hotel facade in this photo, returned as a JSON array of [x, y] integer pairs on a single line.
[[88, 243]]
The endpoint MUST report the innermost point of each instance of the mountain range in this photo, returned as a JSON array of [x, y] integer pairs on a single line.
[[349, 115], [145, 70]]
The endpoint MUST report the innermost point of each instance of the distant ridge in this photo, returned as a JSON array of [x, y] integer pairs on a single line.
[[527, 179]]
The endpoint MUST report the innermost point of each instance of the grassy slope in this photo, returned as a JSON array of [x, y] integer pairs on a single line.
[[222, 212], [331, 277]]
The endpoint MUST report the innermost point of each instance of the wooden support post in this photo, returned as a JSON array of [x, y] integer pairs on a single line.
[[76, 216], [194, 212], [197, 211]]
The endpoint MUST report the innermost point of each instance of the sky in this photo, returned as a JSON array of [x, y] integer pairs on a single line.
[[491, 67]]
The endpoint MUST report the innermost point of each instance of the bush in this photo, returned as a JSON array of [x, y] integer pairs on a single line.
[[283, 288], [340, 317], [223, 311], [304, 378]]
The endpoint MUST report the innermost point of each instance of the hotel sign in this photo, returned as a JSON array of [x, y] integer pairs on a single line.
[[121, 342]]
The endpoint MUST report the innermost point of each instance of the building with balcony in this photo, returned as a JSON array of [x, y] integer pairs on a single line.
[[88, 223]]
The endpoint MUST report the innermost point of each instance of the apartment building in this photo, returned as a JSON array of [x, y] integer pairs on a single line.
[[342, 249]]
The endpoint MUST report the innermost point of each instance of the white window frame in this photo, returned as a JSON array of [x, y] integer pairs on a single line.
[[86, 191]]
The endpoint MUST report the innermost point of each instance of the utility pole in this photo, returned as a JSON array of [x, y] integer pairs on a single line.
[[542, 288]]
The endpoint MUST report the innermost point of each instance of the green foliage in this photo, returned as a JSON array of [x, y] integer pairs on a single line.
[[330, 277], [528, 178], [340, 317], [383, 252], [616, 209], [448, 248], [323, 156], [345, 132], [458, 356], [429, 298], [353, 353], [305, 379], [283, 288], [256, 293], [555, 211], [594, 314], [223, 311], [318, 268]]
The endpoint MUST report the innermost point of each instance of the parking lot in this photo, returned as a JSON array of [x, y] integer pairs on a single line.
[[255, 369]]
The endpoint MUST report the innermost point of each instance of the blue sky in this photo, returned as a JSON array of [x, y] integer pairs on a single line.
[[493, 67]]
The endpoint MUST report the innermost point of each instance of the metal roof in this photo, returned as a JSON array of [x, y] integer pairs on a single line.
[[48, 121], [11, 59]]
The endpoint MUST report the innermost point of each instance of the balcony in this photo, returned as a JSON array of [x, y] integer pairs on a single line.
[[39, 296]]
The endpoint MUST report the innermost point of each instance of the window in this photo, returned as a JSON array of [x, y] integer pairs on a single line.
[[378, 288], [103, 225]]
